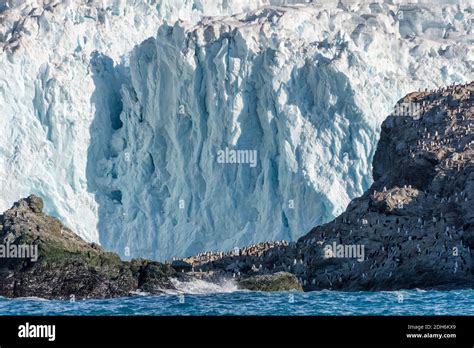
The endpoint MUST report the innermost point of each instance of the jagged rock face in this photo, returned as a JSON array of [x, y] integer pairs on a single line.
[[65, 265], [120, 135], [415, 223]]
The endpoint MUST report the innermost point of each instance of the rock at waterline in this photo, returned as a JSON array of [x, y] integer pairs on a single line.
[[180, 265], [66, 265], [280, 281]]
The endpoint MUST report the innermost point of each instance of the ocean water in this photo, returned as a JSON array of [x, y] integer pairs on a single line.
[[413, 302]]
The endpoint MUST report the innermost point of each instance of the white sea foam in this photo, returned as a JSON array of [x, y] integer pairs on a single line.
[[201, 287], [31, 298]]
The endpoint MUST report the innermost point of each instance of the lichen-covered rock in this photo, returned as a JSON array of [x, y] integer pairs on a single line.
[[66, 265], [393, 200], [280, 281]]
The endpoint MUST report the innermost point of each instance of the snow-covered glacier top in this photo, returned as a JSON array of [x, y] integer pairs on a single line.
[[124, 115]]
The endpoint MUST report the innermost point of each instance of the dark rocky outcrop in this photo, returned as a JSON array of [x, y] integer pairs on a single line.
[[415, 222], [279, 281], [67, 265], [180, 265]]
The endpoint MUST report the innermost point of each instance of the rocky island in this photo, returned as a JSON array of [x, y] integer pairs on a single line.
[[67, 265], [413, 228]]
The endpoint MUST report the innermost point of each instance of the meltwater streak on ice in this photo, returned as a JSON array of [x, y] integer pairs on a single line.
[[254, 303], [307, 86]]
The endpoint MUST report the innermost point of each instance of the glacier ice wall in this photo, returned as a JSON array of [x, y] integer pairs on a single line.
[[308, 98], [123, 146], [47, 90]]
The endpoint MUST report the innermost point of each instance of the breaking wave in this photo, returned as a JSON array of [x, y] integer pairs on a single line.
[[201, 287]]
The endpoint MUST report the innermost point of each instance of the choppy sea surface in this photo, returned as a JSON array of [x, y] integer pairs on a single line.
[[413, 302]]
